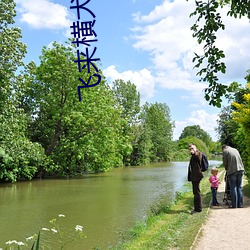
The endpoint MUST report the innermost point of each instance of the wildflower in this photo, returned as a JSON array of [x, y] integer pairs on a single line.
[[10, 242], [54, 230], [45, 229], [61, 215], [20, 243], [78, 228], [29, 238]]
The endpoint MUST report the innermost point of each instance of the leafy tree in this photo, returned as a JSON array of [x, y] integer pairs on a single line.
[[241, 116], [183, 144], [227, 127], [208, 23], [19, 158], [157, 122], [12, 50], [196, 131], [142, 145], [215, 147], [77, 136], [128, 100]]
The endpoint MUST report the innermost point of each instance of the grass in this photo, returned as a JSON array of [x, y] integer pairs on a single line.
[[170, 226]]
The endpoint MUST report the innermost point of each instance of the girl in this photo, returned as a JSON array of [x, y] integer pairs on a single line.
[[214, 186]]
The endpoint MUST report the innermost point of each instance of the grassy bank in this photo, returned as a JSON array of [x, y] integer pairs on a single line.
[[170, 227]]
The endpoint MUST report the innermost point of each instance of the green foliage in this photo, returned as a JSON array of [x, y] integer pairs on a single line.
[[205, 28], [36, 243], [241, 116], [201, 146], [196, 131], [128, 100], [77, 136], [156, 121], [20, 157], [227, 127], [215, 147], [142, 145], [233, 123], [12, 50]]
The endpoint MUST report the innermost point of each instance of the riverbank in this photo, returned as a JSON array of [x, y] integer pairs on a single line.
[[175, 228], [172, 227]]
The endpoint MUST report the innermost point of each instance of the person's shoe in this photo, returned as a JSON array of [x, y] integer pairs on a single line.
[[231, 206], [217, 204], [241, 206], [194, 212]]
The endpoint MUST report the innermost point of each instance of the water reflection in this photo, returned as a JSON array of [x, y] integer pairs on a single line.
[[105, 204]]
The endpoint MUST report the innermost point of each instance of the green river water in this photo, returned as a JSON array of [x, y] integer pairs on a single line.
[[104, 204]]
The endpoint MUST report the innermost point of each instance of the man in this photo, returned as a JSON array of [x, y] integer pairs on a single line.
[[195, 175], [235, 170]]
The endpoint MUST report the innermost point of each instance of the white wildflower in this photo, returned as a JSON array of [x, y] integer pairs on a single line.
[[54, 230], [78, 228], [29, 238], [61, 215], [45, 229], [20, 243], [10, 242]]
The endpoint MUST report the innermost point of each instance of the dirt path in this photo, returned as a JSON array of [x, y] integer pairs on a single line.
[[225, 228]]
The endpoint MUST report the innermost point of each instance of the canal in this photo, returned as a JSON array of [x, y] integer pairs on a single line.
[[106, 204]]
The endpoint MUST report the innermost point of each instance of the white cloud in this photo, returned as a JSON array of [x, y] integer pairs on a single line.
[[234, 41], [208, 122], [143, 80], [43, 14], [165, 33]]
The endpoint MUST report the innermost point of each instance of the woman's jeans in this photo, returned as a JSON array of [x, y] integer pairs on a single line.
[[235, 182], [214, 196]]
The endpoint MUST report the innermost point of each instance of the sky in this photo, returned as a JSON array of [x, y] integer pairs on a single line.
[[146, 42]]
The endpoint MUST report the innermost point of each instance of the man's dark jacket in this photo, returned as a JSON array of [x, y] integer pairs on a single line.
[[194, 169]]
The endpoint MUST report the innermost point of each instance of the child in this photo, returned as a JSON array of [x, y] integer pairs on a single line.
[[214, 185]]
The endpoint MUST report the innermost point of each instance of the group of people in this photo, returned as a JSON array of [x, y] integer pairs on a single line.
[[234, 167]]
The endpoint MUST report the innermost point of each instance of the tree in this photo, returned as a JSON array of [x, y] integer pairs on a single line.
[[183, 144], [20, 158], [208, 23], [157, 122], [229, 130], [242, 116], [128, 100], [196, 131], [12, 50], [77, 136], [227, 127]]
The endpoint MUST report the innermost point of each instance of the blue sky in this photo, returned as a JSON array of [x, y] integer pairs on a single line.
[[148, 42]]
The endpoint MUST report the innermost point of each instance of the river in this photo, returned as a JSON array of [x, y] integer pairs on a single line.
[[104, 204]]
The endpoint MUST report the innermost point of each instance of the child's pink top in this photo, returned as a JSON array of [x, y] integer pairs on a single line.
[[214, 181]]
